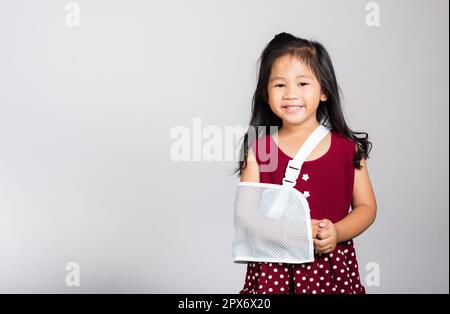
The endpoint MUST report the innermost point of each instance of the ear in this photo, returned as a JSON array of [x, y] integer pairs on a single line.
[[323, 97]]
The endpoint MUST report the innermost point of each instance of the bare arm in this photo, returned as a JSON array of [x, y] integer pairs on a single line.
[[364, 207], [251, 172]]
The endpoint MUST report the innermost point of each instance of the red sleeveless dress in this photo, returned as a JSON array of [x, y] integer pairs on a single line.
[[327, 184]]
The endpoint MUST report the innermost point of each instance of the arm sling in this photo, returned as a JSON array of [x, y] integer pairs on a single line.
[[272, 222]]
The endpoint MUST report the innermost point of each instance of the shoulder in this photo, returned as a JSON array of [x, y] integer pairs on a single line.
[[344, 144], [263, 148], [261, 143], [343, 140]]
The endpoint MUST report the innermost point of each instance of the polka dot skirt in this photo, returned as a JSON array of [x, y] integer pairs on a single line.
[[331, 273]]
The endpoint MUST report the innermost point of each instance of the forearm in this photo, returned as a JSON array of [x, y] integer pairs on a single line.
[[358, 220]]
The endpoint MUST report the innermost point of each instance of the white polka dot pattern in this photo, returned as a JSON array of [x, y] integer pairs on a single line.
[[336, 272]]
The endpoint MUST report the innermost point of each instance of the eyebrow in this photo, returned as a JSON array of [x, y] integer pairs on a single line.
[[282, 78]]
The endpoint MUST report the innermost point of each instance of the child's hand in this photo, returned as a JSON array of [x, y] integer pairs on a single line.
[[314, 228], [327, 236]]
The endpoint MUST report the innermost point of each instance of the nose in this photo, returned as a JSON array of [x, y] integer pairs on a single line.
[[290, 93]]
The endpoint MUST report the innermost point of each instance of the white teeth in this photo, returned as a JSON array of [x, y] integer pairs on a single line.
[[292, 108]]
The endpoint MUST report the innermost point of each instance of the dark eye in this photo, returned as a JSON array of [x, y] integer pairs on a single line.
[[303, 84], [279, 85]]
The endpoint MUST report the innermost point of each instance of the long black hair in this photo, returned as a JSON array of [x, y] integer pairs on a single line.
[[329, 113]]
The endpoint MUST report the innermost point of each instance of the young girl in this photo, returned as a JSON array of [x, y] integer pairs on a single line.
[[297, 91]]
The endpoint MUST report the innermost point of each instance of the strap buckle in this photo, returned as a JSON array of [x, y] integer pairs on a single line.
[[291, 174]]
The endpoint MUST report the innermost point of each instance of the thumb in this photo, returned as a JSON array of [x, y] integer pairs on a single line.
[[323, 223]]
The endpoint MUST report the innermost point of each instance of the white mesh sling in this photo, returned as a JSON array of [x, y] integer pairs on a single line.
[[271, 221]]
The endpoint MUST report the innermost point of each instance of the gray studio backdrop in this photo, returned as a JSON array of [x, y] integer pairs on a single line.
[[91, 90]]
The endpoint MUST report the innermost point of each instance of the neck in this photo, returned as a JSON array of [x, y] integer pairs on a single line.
[[302, 129]]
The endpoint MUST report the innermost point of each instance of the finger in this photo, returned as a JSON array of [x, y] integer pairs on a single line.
[[325, 249], [325, 243], [320, 243], [323, 234], [314, 232], [324, 223], [316, 244]]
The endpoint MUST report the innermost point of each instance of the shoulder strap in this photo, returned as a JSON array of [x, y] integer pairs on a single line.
[[295, 165]]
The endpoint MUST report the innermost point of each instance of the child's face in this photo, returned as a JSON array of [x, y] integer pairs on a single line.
[[294, 92]]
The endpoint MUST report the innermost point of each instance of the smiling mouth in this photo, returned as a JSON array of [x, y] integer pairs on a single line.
[[292, 107]]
